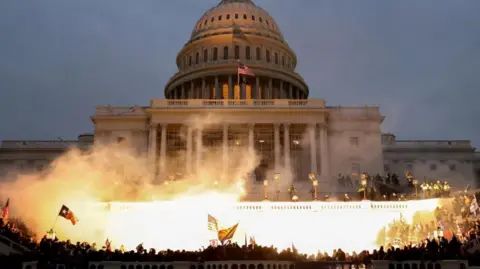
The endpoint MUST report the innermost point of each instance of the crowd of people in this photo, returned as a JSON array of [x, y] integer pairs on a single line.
[[390, 188], [449, 235]]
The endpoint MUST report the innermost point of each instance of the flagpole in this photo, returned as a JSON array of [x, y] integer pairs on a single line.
[[238, 78]]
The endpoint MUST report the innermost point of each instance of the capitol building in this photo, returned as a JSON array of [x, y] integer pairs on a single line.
[[266, 110]]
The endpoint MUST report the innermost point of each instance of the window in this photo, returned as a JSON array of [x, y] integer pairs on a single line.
[[184, 62], [220, 17], [355, 169], [237, 52], [244, 16], [283, 60], [247, 53], [433, 167], [288, 62], [354, 141], [253, 17], [453, 167], [266, 21], [276, 58], [409, 167], [228, 16], [190, 61], [260, 19], [206, 22], [212, 19], [236, 16], [268, 56], [205, 55], [259, 54], [386, 168], [215, 54], [197, 58], [225, 53]]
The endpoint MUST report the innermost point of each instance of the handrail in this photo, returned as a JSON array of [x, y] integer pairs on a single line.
[[14, 245]]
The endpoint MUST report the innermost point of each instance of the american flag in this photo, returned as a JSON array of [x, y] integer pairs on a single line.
[[6, 210], [244, 70], [212, 223]]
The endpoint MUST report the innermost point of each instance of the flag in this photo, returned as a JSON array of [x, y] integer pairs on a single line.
[[6, 210], [244, 70], [227, 234], [68, 214], [212, 223], [252, 241], [474, 206]]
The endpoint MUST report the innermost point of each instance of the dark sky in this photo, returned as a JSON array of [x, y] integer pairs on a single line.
[[418, 60]]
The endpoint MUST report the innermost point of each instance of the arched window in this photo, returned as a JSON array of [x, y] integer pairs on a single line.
[[253, 17], [197, 58], [236, 16], [283, 60], [259, 54], [215, 54], [237, 52], [205, 56], [225, 53], [244, 16], [228, 16], [247, 53], [276, 58], [190, 61], [220, 17], [268, 56]]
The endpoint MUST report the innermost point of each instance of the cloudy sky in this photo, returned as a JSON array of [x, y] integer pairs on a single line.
[[418, 60]]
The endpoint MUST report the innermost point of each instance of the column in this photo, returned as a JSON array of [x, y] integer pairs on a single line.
[[152, 149], [270, 89], [251, 142], [281, 95], [276, 138], [256, 94], [324, 162], [192, 90], [182, 94], [199, 149], [313, 148], [243, 90], [290, 92], [163, 148], [204, 90], [189, 151], [218, 91], [225, 148], [231, 88], [286, 145]]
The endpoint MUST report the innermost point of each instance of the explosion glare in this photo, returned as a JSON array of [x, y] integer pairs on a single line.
[[113, 197]]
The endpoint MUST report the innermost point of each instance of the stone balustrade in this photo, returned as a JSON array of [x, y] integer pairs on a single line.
[[433, 143], [32, 144]]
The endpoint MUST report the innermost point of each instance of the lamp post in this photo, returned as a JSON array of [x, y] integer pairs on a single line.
[[415, 183], [364, 185], [311, 176], [265, 189], [276, 179]]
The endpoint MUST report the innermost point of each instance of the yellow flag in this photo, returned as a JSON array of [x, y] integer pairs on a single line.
[[227, 234]]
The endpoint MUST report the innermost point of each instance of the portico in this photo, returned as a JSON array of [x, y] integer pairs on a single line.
[[277, 137]]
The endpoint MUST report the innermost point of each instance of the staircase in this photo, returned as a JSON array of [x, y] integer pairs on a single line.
[[7, 247]]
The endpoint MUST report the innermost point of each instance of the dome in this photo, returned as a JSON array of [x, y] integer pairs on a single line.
[[233, 32], [229, 14]]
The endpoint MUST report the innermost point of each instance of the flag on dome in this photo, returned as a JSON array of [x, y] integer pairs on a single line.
[[244, 70], [68, 214]]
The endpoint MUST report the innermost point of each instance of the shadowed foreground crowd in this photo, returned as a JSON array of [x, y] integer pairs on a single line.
[[77, 255]]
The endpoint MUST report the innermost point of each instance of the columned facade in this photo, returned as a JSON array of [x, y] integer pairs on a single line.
[[282, 150]]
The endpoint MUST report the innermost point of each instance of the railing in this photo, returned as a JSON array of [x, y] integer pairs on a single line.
[[52, 144], [15, 246], [433, 143], [250, 103]]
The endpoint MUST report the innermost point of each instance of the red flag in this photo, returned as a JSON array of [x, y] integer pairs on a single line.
[[6, 210], [244, 70], [66, 213]]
